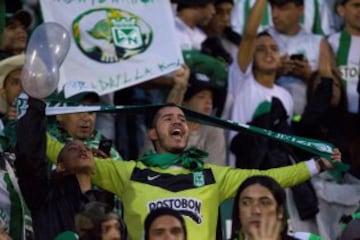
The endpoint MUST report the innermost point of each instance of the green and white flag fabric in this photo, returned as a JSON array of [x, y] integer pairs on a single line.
[[116, 43], [317, 147], [68, 235], [14, 215], [347, 50]]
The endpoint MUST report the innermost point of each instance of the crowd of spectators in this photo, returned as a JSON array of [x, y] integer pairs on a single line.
[[289, 66]]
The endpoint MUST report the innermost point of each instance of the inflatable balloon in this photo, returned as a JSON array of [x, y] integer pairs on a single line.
[[46, 50]]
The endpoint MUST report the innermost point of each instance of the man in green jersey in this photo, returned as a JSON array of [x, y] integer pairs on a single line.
[[178, 179]]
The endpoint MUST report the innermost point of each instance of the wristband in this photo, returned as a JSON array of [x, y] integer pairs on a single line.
[[321, 164]]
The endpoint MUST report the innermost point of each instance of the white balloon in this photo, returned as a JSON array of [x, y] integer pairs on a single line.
[[46, 50], [38, 80]]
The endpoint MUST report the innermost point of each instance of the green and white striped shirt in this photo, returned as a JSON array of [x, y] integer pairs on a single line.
[[317, 16], [14, 214], [347, 51]]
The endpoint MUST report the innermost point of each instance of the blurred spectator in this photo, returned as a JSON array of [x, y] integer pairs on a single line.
[[318, 16], [79, 126], [53, 200], [260, 210], [346, 46], [351, 226], [221, 41], [97, 222], [325, 112], [165, 223], [261, 103], [202, 96], [178, 178], [324, 118], [253, 87], [240, 16], [191, 14], [15, 36], [13, 208], [15, 219], [337, 21], [300, 49], [10, 88]]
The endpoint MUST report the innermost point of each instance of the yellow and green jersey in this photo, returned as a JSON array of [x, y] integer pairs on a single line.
[[196, 195]]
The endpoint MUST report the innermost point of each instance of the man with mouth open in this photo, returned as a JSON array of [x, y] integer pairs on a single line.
[[176, 178]]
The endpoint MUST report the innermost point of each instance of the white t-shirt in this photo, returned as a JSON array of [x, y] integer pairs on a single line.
[[351, 70], [249, 93], [304, 43], [188, 38]]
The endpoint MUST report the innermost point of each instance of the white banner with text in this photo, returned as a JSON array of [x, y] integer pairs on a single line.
[[115, 43]]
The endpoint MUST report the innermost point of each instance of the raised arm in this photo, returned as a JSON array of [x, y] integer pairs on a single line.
[[247, 44], [31, 164], [327, 63], [230, 179], [177, 92]]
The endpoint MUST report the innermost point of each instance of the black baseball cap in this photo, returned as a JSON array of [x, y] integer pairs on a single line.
[[197, 82], [23, 16], [76, 91]]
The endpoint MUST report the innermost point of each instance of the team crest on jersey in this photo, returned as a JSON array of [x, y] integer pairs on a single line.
[[198, 178], [190, 207]]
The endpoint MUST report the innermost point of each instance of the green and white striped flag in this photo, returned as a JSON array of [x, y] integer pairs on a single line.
[[319, 148], [14, 215]]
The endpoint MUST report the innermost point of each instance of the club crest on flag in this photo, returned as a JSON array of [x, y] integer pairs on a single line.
[[108, 35]]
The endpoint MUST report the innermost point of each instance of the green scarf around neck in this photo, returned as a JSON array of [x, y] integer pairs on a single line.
[[191, 159]]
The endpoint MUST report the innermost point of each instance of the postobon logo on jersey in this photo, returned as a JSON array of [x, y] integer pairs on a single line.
[[189, 207]]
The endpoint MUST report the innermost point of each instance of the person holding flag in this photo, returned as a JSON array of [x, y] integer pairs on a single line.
[[173, 177]]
